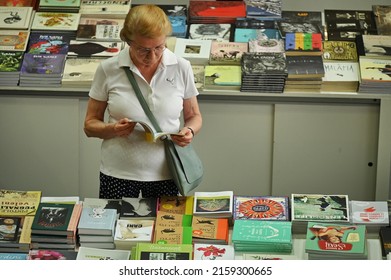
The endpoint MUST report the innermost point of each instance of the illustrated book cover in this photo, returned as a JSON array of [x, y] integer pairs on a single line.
[[43, 65], [166, 219], [47, 5], [103, 7], [212, 252], [15, 17], [92, 202], [172, 234], [132, 231], [15, 233], [99, 29], [369, 212], [14, 40], [82, 48], [266, 45], [51, 255], [55, 21], [97, 221], [53, 218], [10, 62], [303, 42], [210, 230], [216, 11], [264, 63], [246, 34], [382, 15], [139, 208], [222, 77], [210, 31], [375, 69], [79, 71], [213, 203], [373, 45], [264, 8], [339, 50], [261, 208], [227, 53], [13, 256], [305, 66], [385, 241], [336, 240], [176, 204], [95, 254], [48, 43], [160, 252], [19, 203], [320, 207]]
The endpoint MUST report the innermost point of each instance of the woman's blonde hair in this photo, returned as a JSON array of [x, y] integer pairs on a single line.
[[145, 20]]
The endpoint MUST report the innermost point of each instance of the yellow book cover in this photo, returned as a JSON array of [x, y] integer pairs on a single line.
[[19, 203]]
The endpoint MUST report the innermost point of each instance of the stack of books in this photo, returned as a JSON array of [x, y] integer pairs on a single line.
[[210, 230], [55, 226], [261, 208], [17, 211], [68, 6], [330, 241], [97, 227], [44, 60], [262, 236], [263, 72], [213, 204], [173, 229], [216, 11], [318, 207]]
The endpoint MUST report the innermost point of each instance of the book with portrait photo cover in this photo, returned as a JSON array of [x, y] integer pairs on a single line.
[[151, 135]]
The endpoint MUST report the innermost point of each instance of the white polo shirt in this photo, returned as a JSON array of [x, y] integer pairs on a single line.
[[133, 157]]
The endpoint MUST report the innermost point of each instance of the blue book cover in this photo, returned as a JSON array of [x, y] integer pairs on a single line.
[[43, 65], [48, 43], [13, 256], [98, 221], [247, 34]]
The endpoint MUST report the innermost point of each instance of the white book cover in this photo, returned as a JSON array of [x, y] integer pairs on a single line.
[[104, 7], [213, 252], [80, 70], [94, 254], [369, 212], [377, 45], [15, 17], [341, 71], [210, 31], [213, 203], [55, 21], [196, 51], [375, 69], [134, 230]]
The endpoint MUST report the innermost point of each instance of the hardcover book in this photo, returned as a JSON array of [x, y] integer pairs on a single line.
[[335, 241], [213, 204], [212, 252], [305, 66], [293, 27], [55, 21], [267, 45], [264, 63], [160, 252], [320, 207], [264, 8], [210, 230], [45, 43], [375, 69], [15, 17], [139, 208], [10, 62], [19, 203], [176, 204], [103, 7], [97, 221], [14, 40], [216, 11], [104, 203], [43, 65], [94, 254], [261, 208], [246, 34], [196, 51], [373, 45], [82, 48], [59, 5], [210, 31], [341, 76], [53, 218], [18, 3], [222, 77], [303, 42], [385, 241], [99, 29], [382, 15], [339, 50], [359, 20], [254, 23]]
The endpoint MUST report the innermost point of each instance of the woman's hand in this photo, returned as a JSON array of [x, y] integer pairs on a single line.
[[185, 139], [123, 127]]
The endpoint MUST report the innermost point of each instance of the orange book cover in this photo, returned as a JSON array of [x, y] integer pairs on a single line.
[[210, 228]]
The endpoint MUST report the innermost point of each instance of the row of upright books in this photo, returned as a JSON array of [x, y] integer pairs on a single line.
[[200, 223]]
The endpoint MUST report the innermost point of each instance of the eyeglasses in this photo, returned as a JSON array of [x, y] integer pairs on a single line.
[[145, 51]]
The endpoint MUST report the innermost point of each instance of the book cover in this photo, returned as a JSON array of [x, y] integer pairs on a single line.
[[53, 218], [339, 50], [305, 66], [223, 77], [81, 48], [267, 45], [18, 3], [95, 254], [341, 71], [51, 255], [246, 34], [60, 3], [14, 40], [260, 231], [166, 219], [210, 31], [61, 21], [160, 252], [303, 42], [212, 252], [369, 212], [13, 256], [196, 51], [261, 207], [10, 61], [97, 221], [359, 20], [302, 16], [80, 71], [172, 234], [334, 238], [320, 207], [297, 27], [213, 203], [176, 204], [375, 69], [45, 43], [15, 17], [43, 65], [227, 52], [373, 45], [129, 232], [99, 29], [140, 208], [263, 63], [103, 7], [9, 229], [92, 202], [264, 8], [385, 241], [382, 15], [214, 229], [225, 11], [19, 203]]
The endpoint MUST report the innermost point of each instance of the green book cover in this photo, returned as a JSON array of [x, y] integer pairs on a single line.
[[335, 238], [52, 217], [256, 231], [173, 235], [153, 251]]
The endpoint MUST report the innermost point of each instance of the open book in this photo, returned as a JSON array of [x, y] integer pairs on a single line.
[[151, 135]]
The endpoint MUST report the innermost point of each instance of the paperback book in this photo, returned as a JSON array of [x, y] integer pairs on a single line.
[[15, 17], [103, 7], [79, 71], [172, 234], [51, 255], [138, 208], [14, 40], [339, 50], [60, 21], [19, 203], [130, 232], [88, 49], [369, 212], [210, 31], [99, 29], [210, 230], [97, 221], [15, 233], [269, 9], [212, 252], [176, 204], [341, 76], [382, 14], [227, 53], [94, 254], [246, 34], [45, 43], [196, 51], [213, 204], [162, 252], [223, 77]]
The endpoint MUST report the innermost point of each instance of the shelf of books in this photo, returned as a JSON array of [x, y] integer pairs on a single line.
[[204, 226]]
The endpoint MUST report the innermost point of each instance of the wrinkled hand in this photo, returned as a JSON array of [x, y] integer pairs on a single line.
[[185, 139], [123, 127]]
